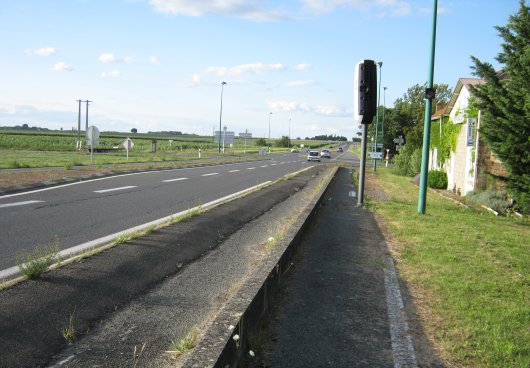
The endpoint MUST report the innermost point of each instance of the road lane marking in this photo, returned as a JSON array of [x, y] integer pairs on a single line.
[[65, 254], [210, 174], [401, 339], [19, 203], [264, 166], [250, 168], [172, 180], [273, 164], [114, 189], [234, 171]]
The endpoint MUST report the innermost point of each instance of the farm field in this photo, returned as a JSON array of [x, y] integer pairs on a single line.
[[31, 149]]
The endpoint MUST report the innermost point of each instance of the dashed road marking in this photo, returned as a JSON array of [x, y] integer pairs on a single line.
[[172, 180], [19, 203], [210, 174], [114, 189], [233, 171]]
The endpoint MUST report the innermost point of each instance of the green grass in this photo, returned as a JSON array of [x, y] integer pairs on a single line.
[[470, 270], [179, 347], [32, 263]]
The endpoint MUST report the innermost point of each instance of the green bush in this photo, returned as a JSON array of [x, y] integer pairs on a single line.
[[408, 162], [495, 200], [437, 180]]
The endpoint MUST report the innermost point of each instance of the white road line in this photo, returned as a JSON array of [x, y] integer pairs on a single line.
[[273, 164], [114, 189], [234, 170], [18, 203], [210, 174], [399, 330], [264, 166], [250, 168], [172, 180], [67, 253]]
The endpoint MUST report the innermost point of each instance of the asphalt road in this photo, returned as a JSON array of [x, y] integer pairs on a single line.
[[88, 210]]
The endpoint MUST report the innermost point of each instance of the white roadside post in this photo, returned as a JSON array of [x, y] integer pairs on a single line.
[[92, 136], [128, 144], [199, 153]]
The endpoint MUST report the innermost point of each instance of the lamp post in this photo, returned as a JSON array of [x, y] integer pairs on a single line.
[[270, 113], [221, 114], [429, 95], [380, 63], [289, 136], [383, 123]]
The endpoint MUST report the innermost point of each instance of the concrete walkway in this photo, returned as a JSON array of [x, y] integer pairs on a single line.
[[341, 306]]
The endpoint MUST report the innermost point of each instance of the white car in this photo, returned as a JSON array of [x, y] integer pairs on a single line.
[[313, 156], [325, 153]]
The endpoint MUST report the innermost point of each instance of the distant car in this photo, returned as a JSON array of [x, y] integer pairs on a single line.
[[325, 153], [313, 156], [340, 149]]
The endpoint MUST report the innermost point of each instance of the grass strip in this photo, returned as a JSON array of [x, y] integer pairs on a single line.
[[468, 271]]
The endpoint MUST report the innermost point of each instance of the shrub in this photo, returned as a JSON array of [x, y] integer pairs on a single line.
[[437, 180], [408, 161], [495, 200]]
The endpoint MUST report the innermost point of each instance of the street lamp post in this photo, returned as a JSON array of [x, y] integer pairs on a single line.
[[270, 113], [289, 137], [221, 114], [377, 113], [383, 122], [429, 95]]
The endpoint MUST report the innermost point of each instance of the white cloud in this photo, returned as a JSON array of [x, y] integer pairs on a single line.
[[43, 51], [62, 67], [256, 68], [193, 81], [295, 106], [300, 83], [111, 74], [111, 58], [153, 60], [247, 9], [303, 67], [384, 7]]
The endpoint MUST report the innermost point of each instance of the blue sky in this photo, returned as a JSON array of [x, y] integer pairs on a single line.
[[158, 64]]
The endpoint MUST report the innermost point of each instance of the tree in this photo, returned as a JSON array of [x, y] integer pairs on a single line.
[[505, 104], [261, 142], [407, 116], [283, 142], [134, 130]]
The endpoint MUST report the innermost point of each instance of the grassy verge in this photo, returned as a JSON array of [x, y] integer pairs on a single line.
[[468, 271]]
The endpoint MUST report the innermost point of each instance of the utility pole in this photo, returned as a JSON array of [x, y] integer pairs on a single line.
[[86, 125], [78, 143]]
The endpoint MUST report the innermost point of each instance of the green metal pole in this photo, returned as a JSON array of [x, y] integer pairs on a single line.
[[377, 114], [383, 122], [422, 196]]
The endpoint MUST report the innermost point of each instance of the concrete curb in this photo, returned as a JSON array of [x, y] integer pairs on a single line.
[[233, 336]]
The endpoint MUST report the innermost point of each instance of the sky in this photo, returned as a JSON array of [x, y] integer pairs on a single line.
[[157, 65]]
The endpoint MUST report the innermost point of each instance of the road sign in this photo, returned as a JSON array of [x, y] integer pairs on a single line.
[[375, 155], [399, 140], [226, 137], [92, 136], [245, 135], [379, 145], [128, 144]]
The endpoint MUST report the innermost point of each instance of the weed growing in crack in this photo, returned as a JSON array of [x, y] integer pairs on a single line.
[[69, 332], [34, 262], [178, 347]]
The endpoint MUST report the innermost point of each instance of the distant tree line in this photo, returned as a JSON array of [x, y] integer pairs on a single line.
[[330, 137], [23, 127]]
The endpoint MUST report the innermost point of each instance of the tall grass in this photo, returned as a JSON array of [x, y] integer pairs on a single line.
[[470, 273]]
